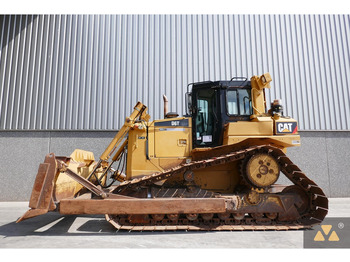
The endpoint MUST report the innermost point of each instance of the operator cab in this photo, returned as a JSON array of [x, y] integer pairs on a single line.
[[214, 104]]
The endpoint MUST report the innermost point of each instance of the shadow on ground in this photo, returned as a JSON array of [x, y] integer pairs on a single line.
[[54, 224]]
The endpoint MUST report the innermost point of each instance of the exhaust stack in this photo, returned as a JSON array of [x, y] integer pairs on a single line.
[[166, 110]]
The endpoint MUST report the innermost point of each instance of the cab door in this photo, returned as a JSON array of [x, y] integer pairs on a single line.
[[206, 126]]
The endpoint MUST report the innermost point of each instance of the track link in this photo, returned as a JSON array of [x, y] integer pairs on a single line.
[[316, 209], [215, 224]]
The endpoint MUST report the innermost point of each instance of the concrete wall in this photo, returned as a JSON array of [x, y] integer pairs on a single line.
[[21, 153], [323, 156]]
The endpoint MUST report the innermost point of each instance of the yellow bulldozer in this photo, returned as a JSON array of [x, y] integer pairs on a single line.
[[215, 168]]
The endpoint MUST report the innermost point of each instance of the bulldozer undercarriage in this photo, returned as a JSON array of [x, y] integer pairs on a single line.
[[141, 204], [298, 206]]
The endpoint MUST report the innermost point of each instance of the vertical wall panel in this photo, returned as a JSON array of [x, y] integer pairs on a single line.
[[80, 72]]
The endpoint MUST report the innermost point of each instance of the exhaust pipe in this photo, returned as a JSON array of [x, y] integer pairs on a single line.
[[166, 110]]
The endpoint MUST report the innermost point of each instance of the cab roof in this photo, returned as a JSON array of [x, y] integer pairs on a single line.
[[221, 84]]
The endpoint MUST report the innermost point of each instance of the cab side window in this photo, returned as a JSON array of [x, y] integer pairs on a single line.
[[239, 102]]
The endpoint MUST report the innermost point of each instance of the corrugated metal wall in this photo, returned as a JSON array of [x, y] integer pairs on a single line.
[[86, 71]]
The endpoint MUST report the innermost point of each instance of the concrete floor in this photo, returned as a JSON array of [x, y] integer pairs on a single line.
[[56, 231]]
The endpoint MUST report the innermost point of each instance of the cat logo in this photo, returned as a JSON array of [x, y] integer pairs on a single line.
[[175, 123], [326, 230], [286, 127]]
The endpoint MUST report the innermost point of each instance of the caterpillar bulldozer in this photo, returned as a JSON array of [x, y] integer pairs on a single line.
[[215, 168]]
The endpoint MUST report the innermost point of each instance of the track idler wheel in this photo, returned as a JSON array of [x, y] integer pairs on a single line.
[[224, 216], [271, 216], [260, 170], [207, 217], [238, 216], [158, 217], [192, 217], [173, 217], [302, 201]]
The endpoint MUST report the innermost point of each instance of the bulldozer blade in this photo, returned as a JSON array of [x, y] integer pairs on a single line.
[[41, 200], [32, 213]]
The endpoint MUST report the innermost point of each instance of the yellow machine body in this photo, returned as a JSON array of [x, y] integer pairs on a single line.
[[162, 144], [157, 146]]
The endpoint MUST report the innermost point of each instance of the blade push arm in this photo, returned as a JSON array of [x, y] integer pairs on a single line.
[[139, 113]]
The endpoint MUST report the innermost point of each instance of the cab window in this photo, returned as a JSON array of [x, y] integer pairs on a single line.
[[206, 105], [239, 102]]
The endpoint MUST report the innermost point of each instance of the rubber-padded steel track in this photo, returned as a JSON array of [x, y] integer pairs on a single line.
[[316, 209]]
